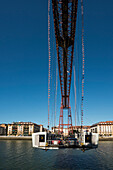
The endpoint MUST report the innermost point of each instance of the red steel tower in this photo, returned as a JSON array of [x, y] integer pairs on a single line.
[[65, 14]]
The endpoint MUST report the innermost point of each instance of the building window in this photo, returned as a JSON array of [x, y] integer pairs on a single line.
[[14, 130], [26, 130]]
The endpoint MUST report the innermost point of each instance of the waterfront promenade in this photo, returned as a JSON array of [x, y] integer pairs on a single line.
[[105, 138], [15, 137]]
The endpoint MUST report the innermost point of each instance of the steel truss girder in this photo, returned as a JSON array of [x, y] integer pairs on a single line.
[[65, 13]]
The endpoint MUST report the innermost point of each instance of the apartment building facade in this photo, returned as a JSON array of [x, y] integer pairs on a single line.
[[78, 128], [75, 129], [103, 128], [22, 128], [3, 129]]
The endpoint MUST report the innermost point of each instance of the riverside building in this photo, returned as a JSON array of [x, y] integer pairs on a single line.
[[23, 128], [103, 128], [3, 129], [76, 129]]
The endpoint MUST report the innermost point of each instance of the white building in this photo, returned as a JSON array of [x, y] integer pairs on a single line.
[[103, 128]]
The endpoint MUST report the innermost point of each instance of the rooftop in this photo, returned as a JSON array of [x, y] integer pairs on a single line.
[[103, 122], [23, 123]]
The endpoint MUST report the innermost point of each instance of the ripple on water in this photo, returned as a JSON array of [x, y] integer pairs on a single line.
[[21, 155]]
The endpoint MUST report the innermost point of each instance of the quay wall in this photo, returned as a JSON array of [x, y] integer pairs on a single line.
[[106, 138], [15, 137], [30, 138]]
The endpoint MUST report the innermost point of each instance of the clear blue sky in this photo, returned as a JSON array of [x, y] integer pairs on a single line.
[[24, 61]]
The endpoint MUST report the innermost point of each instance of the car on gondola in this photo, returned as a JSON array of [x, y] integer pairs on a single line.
[[57, 141], [71, 141]]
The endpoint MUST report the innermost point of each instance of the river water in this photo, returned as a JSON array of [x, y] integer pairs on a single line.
[[20, 155]]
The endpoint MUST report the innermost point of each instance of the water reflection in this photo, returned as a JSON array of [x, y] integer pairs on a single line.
[[21, 155]]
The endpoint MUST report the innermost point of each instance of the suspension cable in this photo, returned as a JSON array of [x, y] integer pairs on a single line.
[[78, 74], [75, 93], [82, 62], [54, 79], [56, 92], [49, 68]]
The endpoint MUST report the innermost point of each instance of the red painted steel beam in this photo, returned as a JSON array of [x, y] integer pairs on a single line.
[[65, 14]]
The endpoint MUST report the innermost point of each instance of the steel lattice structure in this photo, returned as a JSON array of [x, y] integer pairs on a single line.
[[65, 14]]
